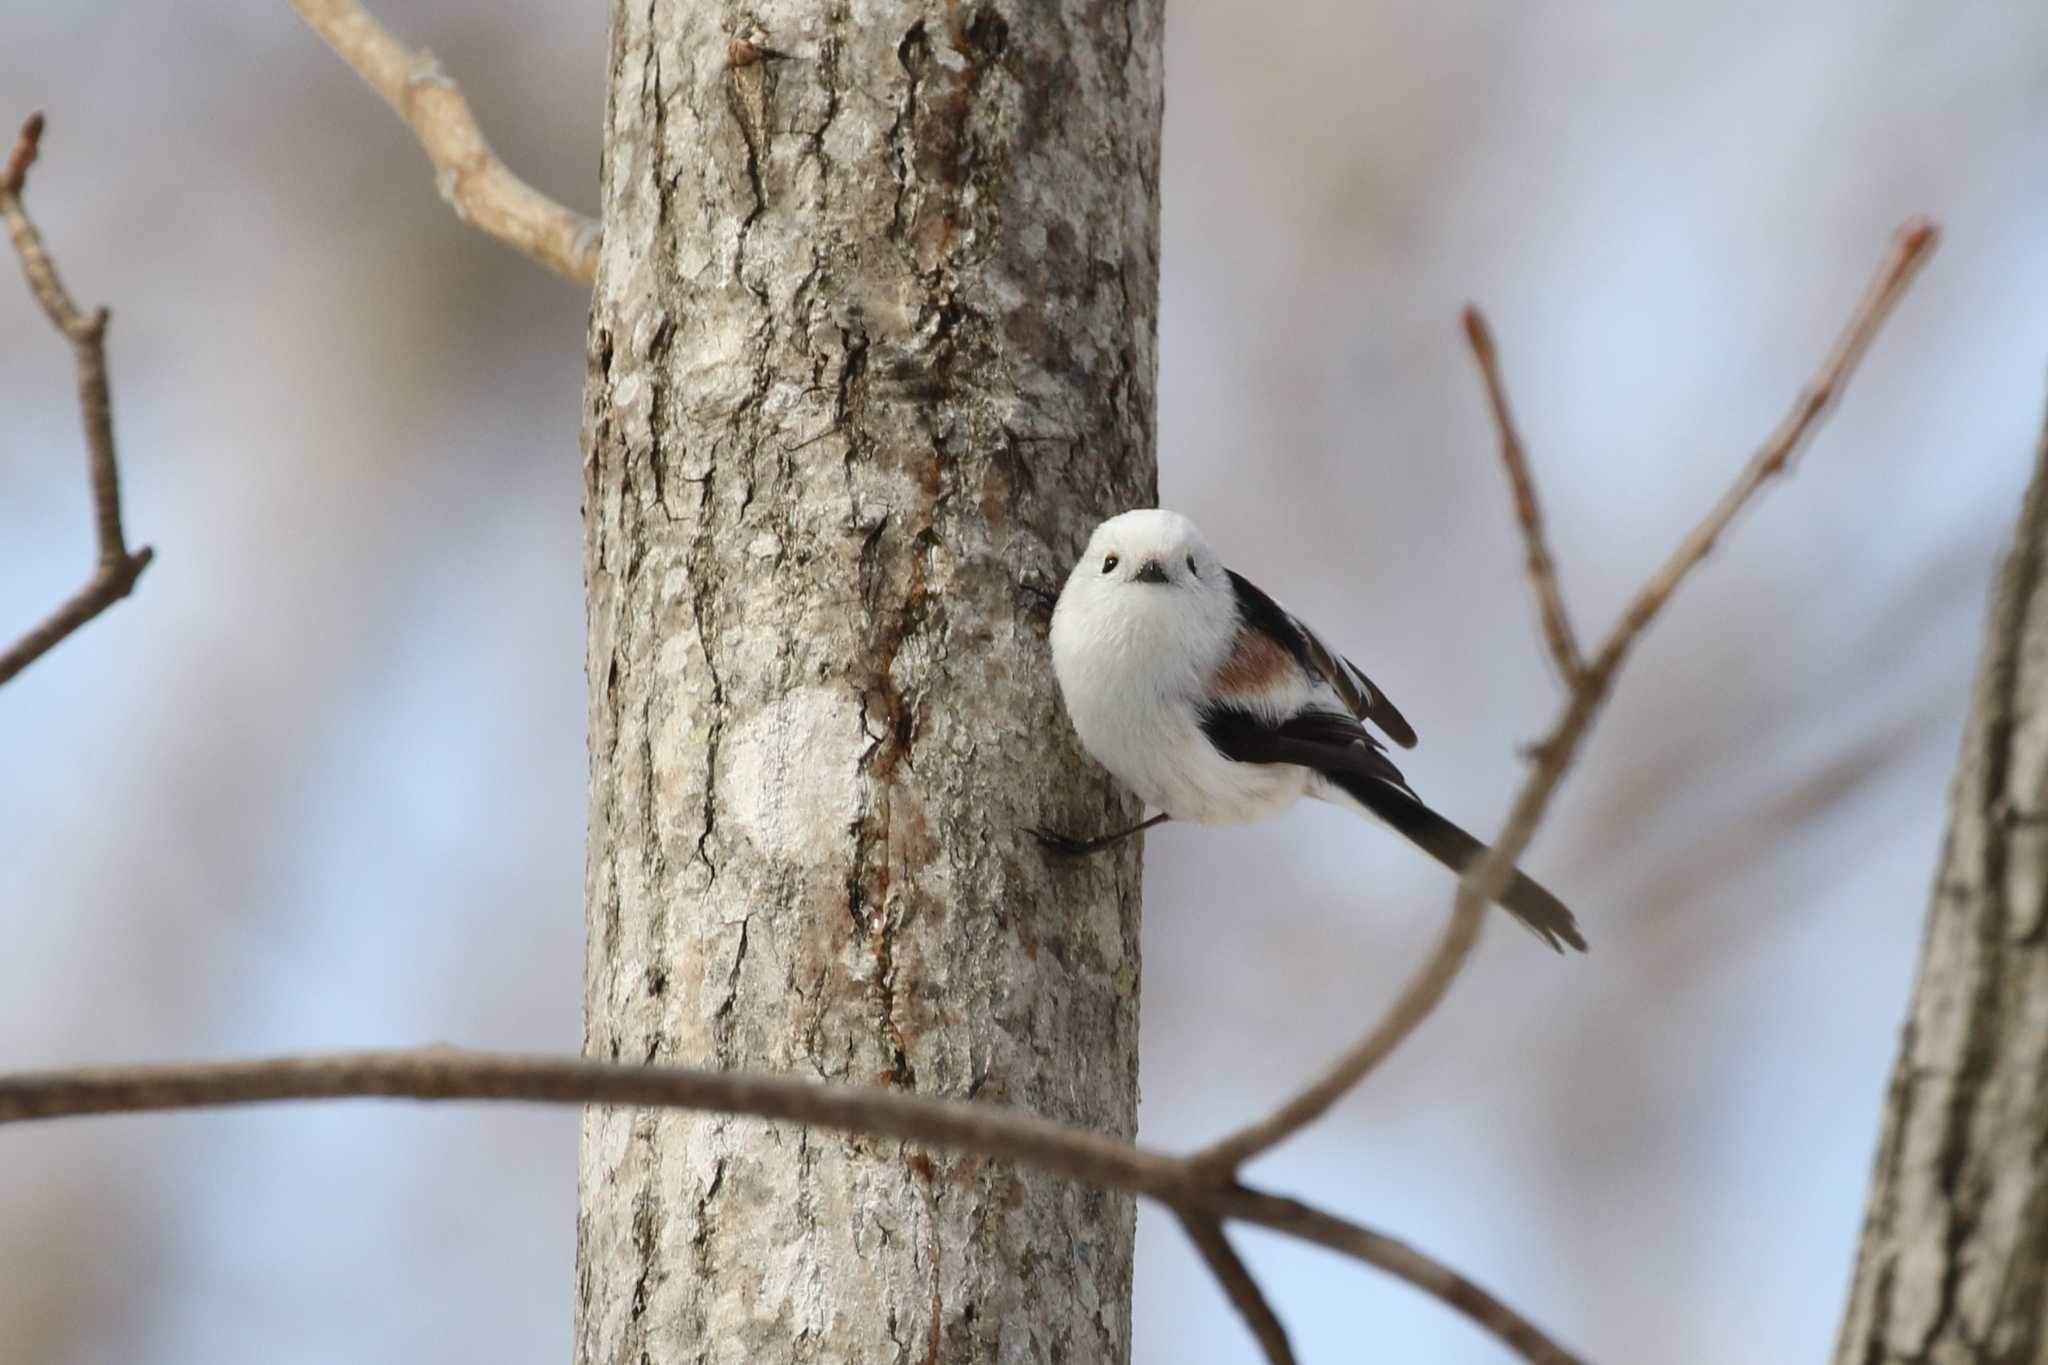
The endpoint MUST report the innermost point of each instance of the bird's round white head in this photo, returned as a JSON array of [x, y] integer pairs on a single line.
[[1147, 595], [1150, 547]]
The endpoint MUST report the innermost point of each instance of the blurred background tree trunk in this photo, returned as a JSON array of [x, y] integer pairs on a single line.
[[872, 347], [1954, 1261]]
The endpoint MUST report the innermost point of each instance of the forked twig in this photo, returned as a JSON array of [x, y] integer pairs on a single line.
[[1485, 879], [989, 1129], [116, 568]]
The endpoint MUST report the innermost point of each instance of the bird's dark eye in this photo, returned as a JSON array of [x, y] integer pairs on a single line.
[[1109, 564], [1191, 567]]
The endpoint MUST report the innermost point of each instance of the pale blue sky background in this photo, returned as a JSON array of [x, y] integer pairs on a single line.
[[321, 782]]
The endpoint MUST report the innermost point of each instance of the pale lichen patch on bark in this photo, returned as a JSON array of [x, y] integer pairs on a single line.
[[790, 773]]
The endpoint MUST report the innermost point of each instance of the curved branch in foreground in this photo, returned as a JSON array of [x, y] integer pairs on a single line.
[[988, 1129], [468, 174], [1588, 689], [117, 568]]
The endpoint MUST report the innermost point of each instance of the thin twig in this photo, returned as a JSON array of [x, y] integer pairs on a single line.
[[468, 174], [116, 569], [26, 144], [1398, 1259], [1485, 879], [989, 1129], [1911, 245], [1514, 456], [1206, 1232]]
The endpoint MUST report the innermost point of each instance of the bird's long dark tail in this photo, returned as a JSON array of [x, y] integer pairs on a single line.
[[1525, 898]]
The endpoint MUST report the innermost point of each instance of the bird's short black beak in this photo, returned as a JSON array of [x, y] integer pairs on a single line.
[[1151, 572]]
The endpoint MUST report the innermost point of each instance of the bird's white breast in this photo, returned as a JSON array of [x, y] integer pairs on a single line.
[[1135, 678]]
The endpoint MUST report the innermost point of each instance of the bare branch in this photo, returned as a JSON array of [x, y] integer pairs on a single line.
[[116, 570], [1557, 625], [468, 174], [457, 1074], [1400, 1260], [1482, 882], [26, 144], [1244, 1292], [991, 1130], [1911, 245], [1485, 879]]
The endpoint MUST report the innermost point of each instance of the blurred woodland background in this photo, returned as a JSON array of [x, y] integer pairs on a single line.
[[320, 783]]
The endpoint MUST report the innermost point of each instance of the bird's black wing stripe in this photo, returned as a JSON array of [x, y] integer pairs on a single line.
[[1379, 710], [1322, 740], [1359, 692]]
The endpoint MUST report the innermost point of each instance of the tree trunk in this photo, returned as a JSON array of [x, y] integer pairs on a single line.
[[1954, 1259], [871, 349]]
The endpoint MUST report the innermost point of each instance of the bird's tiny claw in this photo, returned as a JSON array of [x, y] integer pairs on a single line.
[[1060, 845], [1039, 598]]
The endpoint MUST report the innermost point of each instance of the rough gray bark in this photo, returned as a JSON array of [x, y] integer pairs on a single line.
[[1954, 1261], [872, 347]]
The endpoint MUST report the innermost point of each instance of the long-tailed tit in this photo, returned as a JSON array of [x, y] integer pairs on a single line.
[[1214, 704]]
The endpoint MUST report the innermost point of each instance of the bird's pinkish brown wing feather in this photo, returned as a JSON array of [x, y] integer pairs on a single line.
[[1259, 613]]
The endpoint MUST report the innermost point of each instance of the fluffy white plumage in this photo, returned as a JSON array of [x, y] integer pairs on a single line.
[[1214, 704], [1136, 661]]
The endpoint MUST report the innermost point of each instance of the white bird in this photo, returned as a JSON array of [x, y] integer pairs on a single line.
[[1214, 704]]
